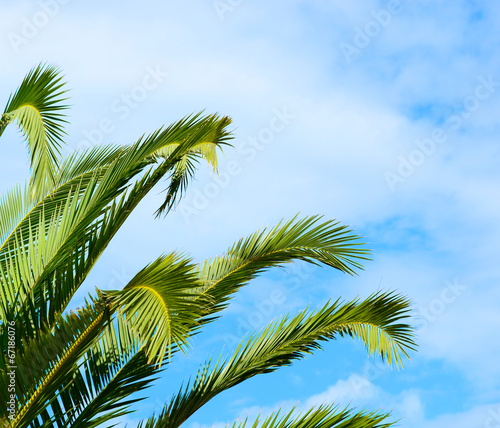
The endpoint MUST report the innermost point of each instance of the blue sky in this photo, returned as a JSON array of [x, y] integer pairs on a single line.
[[382, 114]]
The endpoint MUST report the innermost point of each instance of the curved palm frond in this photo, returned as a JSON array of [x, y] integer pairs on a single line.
[[158, 304], [186, 167], [36, 107], [308, 239], [173, 303], [290, 339], [49, 253], [82, 371]]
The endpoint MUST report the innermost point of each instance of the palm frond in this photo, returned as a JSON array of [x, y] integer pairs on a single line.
[[185, 168], [308, 239], [37, 108], [158, 304], [290, 339], [52, 249], [82, 392], [181, 175], [68, 344]]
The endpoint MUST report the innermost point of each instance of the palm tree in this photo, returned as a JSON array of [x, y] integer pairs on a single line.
[[62, 368]]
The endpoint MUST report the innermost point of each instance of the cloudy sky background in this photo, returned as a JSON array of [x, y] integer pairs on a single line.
[[382, 114]]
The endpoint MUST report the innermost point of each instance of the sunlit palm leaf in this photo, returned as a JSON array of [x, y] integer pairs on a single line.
[[290, 339], [309, 239], [56, 234], [158, 304], [37, 108]]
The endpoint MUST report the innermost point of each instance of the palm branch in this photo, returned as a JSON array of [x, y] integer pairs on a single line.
[[36, 107]]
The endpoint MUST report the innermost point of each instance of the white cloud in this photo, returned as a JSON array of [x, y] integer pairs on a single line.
[[478, 417], [359, 392]]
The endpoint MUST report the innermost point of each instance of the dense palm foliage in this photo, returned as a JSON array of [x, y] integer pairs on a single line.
[[80, 368]]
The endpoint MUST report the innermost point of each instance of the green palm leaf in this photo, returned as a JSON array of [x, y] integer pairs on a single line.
[[308, 239], [36, 107], [69, 342], [290, 339], [89, 391], [158, 304]]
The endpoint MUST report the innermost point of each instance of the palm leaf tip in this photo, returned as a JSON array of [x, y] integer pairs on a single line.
[[206, 138], [380, 325], [37, 107]]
